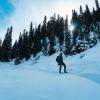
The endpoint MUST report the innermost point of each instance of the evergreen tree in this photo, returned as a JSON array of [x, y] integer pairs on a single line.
[[68, 43], [37, 45], [20, 47], [81, 10], [75, 23], [26, 46], [0, 42], [7, 46], [67, 38], [23, 45], [97, 4], [0, 49], [44, 36], [97, 13], [15, 50], [31, 37], [88, 17], [51, 34], [81, 24], [94, 15], [88, 22], [61, 32]]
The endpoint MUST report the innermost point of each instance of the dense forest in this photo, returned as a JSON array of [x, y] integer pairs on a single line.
[[54, 35]]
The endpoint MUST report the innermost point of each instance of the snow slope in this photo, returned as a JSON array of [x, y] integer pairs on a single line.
[[41, 81]]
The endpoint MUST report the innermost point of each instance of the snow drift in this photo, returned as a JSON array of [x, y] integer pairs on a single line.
[[41, 81]]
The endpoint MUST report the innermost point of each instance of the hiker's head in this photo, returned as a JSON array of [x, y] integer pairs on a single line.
[[60, 53]]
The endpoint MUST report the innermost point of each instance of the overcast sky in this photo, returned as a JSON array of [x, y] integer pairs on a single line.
[[19, 13]]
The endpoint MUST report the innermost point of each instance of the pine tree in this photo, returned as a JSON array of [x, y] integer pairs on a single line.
[[20, 47], [31, 37], [88, 17], [94, 15], [18, 50], [26, 45], [61, 32], [15, 50], [97, 4], [0, 42], [37, 46], [44, 36], [97, 13], [67, 38], [88, 22], [57, 27], [51, 34], [68, 43], [66, 24], [81, 10], [7, 46], [75, 23], [0, 49]]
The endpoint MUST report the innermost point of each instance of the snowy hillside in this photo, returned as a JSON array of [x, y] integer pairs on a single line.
[[41, 81]]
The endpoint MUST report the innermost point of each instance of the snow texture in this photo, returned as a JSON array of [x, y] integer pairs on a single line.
[[41, 80]]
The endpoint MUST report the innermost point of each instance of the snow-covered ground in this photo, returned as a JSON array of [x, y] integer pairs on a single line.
[[41, 81]]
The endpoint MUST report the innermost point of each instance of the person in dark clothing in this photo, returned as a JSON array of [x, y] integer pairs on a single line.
[[60, 62]]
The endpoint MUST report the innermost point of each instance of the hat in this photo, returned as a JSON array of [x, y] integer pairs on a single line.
[[60, 53]]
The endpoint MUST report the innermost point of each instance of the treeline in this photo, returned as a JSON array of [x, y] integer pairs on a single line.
[[54, 35], [86, 28]]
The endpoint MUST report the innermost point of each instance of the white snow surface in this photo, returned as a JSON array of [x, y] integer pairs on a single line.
[[41, 81]]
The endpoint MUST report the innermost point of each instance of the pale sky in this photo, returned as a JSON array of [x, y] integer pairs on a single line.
[[19, 13]]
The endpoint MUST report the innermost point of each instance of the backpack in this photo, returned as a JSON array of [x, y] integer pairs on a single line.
[[58, 59]]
